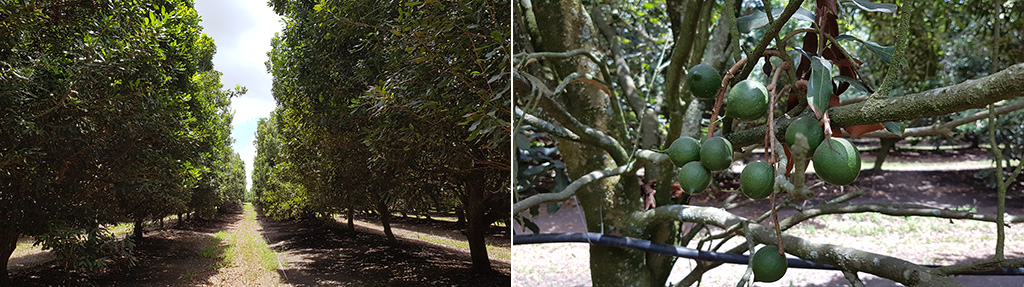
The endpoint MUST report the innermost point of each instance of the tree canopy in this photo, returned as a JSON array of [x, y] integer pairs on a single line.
[[111, 112], [389, 105]]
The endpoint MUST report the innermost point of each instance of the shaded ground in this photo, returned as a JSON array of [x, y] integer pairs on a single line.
[[318, 254], [166, 258], [496, 235], [920, 240]]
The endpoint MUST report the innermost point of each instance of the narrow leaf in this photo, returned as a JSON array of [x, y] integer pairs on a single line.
[[759, 19], [869, 6], [895, 127], [885, 52], [855, 83], [819, 86], [532, 226]]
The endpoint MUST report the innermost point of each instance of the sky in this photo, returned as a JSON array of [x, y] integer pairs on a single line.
[[242, 30]]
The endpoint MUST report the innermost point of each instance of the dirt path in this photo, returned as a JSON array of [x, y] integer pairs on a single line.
[[318, 254], [247, 260]]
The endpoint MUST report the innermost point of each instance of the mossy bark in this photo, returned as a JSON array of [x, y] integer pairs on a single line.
[[977, 93], [563, 26]]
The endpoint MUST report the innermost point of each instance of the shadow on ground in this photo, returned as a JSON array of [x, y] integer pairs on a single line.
[[319, 254], [496, 235], [167, 257]]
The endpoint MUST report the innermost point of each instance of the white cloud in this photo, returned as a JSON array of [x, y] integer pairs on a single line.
[[242, 30], [249, 109]]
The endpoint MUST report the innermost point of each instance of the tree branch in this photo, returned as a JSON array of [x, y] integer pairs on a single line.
[[978, 93], [590, 135], [569, 191], [547, 126], [647, 155], [769, 36], [894, 209], [945, 128], [586, 134], [849, 259], [1006, 84]]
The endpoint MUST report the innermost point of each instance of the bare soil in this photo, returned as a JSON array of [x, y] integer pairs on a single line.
[[313, 254], [165, 258], [567, 264], [328, 254]]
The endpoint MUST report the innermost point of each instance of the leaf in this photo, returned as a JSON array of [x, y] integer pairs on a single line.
[[869, 6], [561, 180], [554, 207], [895, 127], [532, 226], [853, 82], [885, 52], [522, 142], [534, 210], [759, 19], [819, 86], [534, 170]]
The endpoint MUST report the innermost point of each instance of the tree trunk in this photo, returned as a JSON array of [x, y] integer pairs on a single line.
[[8, 242], [476, 231], [561, 26], [461, 214], [137, 233], [887, 144], [351, 224], [385, 220]]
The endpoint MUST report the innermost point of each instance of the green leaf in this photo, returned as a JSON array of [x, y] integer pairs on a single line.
[[759, 19], [561, 180], [885, 52], [869, 6], [522, 142], [554, 207], [648, 5], [854, 83], [819, 86], [532, 226], [895, 127]]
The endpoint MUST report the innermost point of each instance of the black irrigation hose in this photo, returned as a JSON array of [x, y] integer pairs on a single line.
[[679, 251]]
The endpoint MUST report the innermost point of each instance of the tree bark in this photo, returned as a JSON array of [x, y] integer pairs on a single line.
[[137, 232], [848, 259], [565, 25], [351, 224], [385, 220], [883, 151], [8, 242], [476, 229], [461, 214]]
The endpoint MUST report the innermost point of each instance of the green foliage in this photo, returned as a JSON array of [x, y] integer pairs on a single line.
[[91, 249], [369, 91], [111, 113]]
